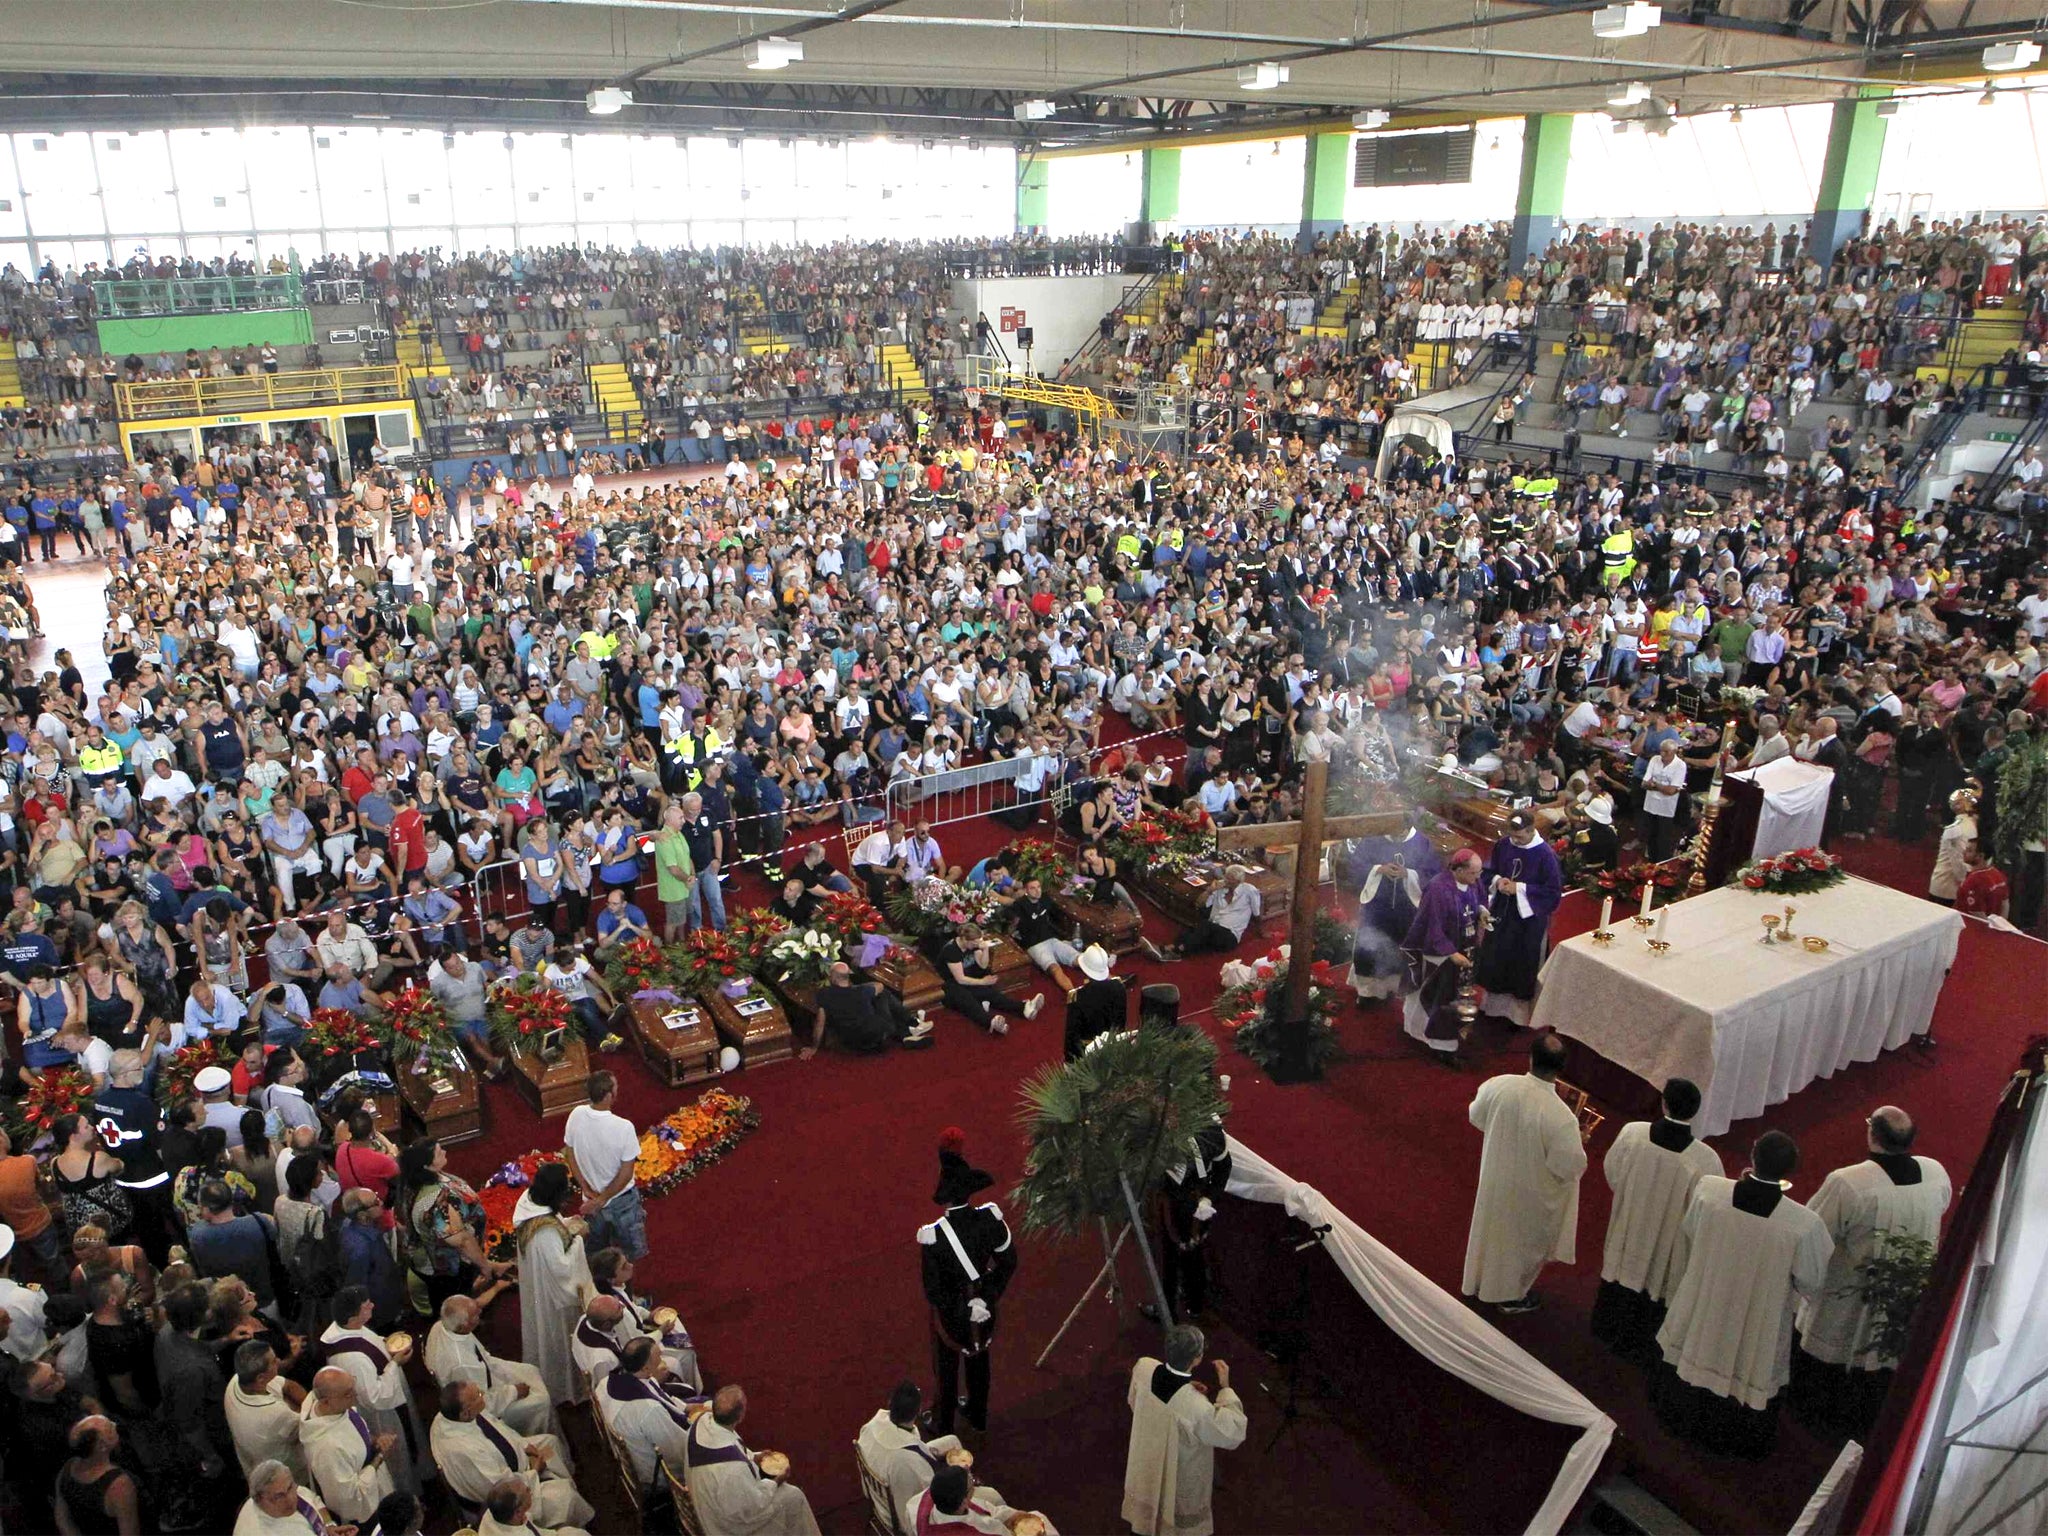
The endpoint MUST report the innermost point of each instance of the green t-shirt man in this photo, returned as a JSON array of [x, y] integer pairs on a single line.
[[672, 867], [1733, 635]]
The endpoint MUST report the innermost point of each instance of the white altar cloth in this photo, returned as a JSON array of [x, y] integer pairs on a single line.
[[1795, 805], [1751, 1024]]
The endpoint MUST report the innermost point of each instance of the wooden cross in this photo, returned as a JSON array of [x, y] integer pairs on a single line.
[[1306, 837]]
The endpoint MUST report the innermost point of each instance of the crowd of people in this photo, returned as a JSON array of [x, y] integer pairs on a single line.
[[359, 730]]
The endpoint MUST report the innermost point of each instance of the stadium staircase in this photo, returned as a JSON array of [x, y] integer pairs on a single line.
[[900, 372], [11, 396], [612, 391]]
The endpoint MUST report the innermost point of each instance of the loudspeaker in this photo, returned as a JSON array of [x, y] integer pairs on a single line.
[[1024, 336]]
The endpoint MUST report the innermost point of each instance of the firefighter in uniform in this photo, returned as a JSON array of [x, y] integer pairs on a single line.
[[968, 1258], [1617, 554], [1187, 1213]]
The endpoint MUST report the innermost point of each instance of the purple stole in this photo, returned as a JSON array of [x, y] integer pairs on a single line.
[[369, 1445], [678, 1339], [919, 1448], [483, 1422], [353, 1345], [312, 1518], [699, 1455], [927, 1508], [597, 1338], [624, 1387]]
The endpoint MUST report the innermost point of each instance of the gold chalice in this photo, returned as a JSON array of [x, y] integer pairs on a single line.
[[1771, 922]]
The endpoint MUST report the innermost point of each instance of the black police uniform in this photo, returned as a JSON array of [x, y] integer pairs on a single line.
[[967, 1255], [1184, 1253]]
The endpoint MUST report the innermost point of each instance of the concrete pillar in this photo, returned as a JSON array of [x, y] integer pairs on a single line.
[[1539, 199], [1034, 193], [1848, 174], [1325, 178], [1159, 201]]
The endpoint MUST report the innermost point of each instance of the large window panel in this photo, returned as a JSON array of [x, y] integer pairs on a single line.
[[714, 234], [284, 191], [211, 178], [1093, 194], [416, 178], [715, 172], [1707, 167], [350, 165], [59, 183], [821, 180], [661, 236], [13, 216], [487, 237], [543, 179], [1232, 186], [134, 169], [14, 253], [605, 197], [1946, 155], [768, 179], [480, 166]]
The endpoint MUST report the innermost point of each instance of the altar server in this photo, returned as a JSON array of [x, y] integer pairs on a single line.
[[382, 1393], [1653, 1168], [1176, 1431], [1890, 1192], [475, 1451], [955, 1502], [1397, 869], [967, 1257], [1439, 949], [1753, 1252], [1526, 1213], [513, 1390], [897, 1453], [1524, 884], [554, 1280], [734, 1497]]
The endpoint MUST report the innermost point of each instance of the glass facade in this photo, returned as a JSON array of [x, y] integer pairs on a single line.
[[102, 197]]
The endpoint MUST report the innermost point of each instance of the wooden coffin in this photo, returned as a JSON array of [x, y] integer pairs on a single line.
[[554, 1087], [676, 1039], [761, 1035], [1182, 897], [1106, 923], [443, 1103], [911, 977], [1011, 965]]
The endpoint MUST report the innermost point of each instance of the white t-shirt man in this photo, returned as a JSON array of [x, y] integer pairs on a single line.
[[601, 1143], [2034, 609]]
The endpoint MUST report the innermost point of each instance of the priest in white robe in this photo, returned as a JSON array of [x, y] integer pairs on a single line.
[[554, 1281], [956, 1503], [1176, 1431], [278, 1506], [896, 1453], [649, 1423], [1751, 1253], [513, 1390], [349, 1459], [263, 1411], [734, 1497], [1526, 1213], [510, 1512], [1652, 1168], [383, 1395], [476, 1451], [612, 1274], [1890, 1192]]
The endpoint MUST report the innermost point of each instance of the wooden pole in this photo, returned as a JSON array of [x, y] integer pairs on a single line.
[[1107, 1272], [1293, 1065]]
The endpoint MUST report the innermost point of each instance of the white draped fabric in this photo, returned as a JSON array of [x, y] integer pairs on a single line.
[[1752, 1023], [1795, 805], [1442, 1329]]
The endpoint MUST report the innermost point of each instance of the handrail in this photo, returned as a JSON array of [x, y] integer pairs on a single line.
[[989, 338], [259, 391], [126, 297]]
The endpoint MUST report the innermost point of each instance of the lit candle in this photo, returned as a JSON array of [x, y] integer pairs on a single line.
[[1606, 912], [1649, 889]]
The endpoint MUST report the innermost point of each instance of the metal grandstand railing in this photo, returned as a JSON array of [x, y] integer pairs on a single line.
[[134, 297], [259, 392]]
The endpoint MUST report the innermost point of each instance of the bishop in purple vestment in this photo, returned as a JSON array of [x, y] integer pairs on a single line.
[[1440, 946]]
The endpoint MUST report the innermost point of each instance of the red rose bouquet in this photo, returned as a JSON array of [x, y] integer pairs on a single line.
[[749, 931], [415, 1025], [848, 917], [1798, 873], [523, 1013], [337, 1032], [56, 1092], [174, 1076], [647, 965]]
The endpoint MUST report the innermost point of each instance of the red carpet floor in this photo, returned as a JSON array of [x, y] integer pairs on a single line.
[[794, 1263]]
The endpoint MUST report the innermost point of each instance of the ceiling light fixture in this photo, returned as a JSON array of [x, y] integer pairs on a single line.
[[1631, 20], [1261, 77], [1370, 119], [607, 100], [1036, 110], [2001, 57], [772, 53], [1889, 107], [1632, 94], [1989, 97]]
